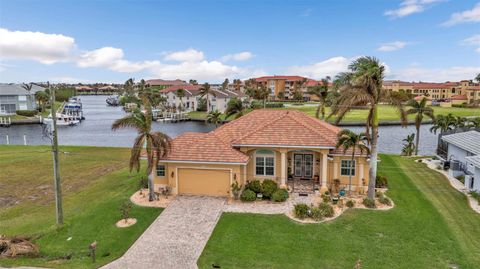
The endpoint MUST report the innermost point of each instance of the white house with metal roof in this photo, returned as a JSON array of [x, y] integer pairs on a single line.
[[464, 157], [14, 97]]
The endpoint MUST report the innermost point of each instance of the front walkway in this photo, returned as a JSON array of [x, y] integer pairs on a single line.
[[177, 237]]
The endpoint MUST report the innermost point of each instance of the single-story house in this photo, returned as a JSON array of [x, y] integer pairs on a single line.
[[460, 146], [284, 146], [14, 97], [472, 178]]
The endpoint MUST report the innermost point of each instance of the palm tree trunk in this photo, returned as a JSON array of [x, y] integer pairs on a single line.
[[323, 110], [151, 188], [317, 113], [208, 103], [264, 102], [350, 174], [372, 173], [417, 140]]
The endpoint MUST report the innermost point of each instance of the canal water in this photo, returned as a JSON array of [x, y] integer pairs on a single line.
[[95, 130]]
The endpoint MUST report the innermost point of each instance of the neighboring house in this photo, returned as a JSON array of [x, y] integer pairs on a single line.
[[472, 178], [14, 97], [162, 83], [222, 97], [461, 146], [264, 144]]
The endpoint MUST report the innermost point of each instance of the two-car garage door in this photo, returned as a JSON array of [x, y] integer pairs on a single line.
[[210, 182]]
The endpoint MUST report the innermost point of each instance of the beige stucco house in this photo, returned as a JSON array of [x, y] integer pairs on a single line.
[[285, 146]]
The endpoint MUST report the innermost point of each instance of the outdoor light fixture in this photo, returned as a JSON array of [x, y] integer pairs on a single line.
[[235, 176], [173, 174]]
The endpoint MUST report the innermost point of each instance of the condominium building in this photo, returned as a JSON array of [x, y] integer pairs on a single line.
[[288, 85]]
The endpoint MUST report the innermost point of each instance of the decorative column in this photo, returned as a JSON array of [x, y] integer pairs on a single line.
[[360, 177], [335, 169], [283, 171], [324, 188]]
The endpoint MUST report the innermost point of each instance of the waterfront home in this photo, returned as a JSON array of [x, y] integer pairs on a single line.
[[14, 97], [472, 178], [461, 146], [288, 147]]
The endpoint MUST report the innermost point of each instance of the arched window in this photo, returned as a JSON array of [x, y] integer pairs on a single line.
[[264, 163]]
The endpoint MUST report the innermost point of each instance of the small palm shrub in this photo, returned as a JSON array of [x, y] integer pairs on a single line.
[[381, 182], [268, 188], [280, 195], [254, 186], [27, 113], [369, 203], [316, 214], [384, 200], [125, 209], [326, 210], [236, 188], [248, 195], [325, 197], [350, 203], [301, 211]]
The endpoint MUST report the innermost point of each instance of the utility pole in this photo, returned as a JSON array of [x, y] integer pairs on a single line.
[[56, 172]]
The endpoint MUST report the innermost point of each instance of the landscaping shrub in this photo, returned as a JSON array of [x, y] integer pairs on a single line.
[[254, 186], [27, 113], [326, 210], [378, 194], [384, 200], [325, 198], [369, 203], [381, 182], [350, 203], [248, 195], [125, 209], [475, 195], [461, 178], [280, 195], [236, 188], [316, 214], [268, 188], [301, 211], [256, 104], [143, 182]]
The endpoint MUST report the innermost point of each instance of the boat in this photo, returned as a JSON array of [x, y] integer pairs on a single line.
[[72, 108], [62, 120], [113, 101]]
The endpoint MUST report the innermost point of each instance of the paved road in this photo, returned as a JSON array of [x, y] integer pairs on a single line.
[[176, 238]]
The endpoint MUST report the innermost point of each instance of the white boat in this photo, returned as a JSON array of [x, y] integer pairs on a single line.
[[62, 120]]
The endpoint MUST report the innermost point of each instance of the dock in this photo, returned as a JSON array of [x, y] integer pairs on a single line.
[[163, 116]]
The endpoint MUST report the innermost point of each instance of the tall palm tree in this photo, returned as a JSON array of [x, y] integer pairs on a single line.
[[443, 123], [180, 94], [28, 88], [409, 148], [350, 140], [262, 93], [237, 84], [205, 91], [460, 122], [42, 98], [420, 109], [362, 86], [214, 117], [321, 92], [129, 86], [235, 107], [156, 144]]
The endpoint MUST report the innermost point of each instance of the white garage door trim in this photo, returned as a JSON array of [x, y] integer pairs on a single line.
[[200, 168]]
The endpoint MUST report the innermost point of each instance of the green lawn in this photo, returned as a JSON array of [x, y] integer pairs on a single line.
[[386, 113], [95, 182], [431, 226]]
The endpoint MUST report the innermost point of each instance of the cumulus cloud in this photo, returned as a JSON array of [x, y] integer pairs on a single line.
[[203, 70], [329, 67], [417, 73], [472, 41], [471, 15], [189, 55], [241, 56], [409, 7], [69, 80], [37, 46], [392, 46]]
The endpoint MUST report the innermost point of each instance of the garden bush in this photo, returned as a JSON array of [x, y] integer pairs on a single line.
[[325, 198], [461, 178], [280, 195], [381, 182], [301, 211], [384, 200], [248, 195], [143, 182], [268, 188], [350, 203], [316, 214], [27, 113], [369, 203], [254, 186], [326, 210]]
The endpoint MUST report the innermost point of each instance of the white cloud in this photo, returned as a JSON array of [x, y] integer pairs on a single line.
[[307, 12], [392, 46], [472, 41], [455, 73], [241, 56], [189, 55], [472, 15], [409, 7], [37, 46], [329, 67], [69, 80]]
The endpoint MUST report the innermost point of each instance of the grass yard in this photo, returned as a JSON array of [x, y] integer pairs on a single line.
[[386, 113], [95, 182], [431, 226]]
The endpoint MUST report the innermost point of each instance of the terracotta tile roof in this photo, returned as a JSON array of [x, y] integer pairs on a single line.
[[203, 147], [156, 82], [459, 97], [278, 127], [291, 78], [189, 88], [339, 151], [420, 97]]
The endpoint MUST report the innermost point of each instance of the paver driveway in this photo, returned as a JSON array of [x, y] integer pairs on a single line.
[[177, 237]]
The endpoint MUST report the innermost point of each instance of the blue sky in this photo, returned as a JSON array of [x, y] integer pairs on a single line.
[[110, 41]]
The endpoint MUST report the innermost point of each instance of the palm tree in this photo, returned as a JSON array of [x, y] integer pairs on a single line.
[[460, 122], [474, 122], [362, 86], [180, 94], [262, 93], [28, 88], [419, 109], [214, 117], [235, 107], [237, 84], [42, 98], [350, 140], [129, 86], [477, 78], [205, 91], [409, 148], [157, 144], [443, 123], [225, 84], [321, 92]]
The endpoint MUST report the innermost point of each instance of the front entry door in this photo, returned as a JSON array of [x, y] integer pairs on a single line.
[[303, 165]]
